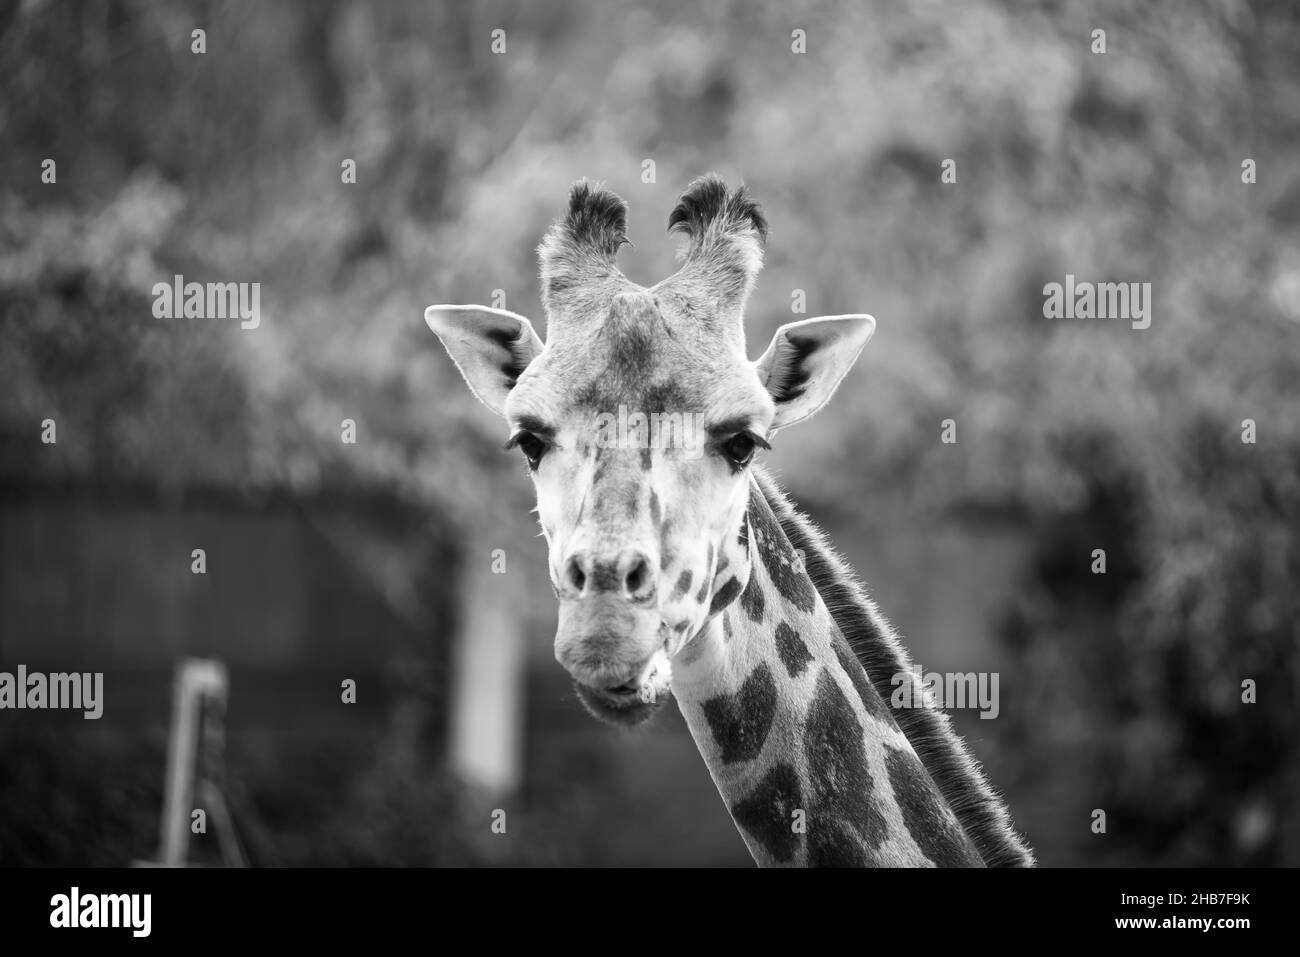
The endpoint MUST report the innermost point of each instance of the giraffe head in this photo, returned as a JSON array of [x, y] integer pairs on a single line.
[[638, 419]]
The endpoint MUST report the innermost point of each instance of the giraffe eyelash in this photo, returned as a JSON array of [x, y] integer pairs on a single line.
[[739, 461], [524, 440], [514, 440], [721, 439]]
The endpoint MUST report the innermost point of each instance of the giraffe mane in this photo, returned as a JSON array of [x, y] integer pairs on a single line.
[[979, 809]]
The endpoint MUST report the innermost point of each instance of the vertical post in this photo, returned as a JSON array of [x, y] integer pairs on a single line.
[[195, 679], [487, 702]]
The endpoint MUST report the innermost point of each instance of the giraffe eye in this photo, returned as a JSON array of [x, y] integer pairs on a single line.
[[532, 447], [739, 449]]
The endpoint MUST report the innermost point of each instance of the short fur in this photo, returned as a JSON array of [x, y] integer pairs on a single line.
[[579, 250], [708, 213], [726, 230], [979, 808]]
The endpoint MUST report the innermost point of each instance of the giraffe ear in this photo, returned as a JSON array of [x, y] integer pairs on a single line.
[[806, 361], [491, 348]]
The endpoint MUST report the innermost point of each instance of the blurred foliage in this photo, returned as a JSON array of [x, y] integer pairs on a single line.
[[1123, 166]]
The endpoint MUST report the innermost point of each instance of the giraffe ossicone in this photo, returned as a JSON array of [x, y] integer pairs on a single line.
[[685, 572]]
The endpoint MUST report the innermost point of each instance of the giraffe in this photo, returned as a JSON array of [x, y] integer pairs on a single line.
[[680, 567]]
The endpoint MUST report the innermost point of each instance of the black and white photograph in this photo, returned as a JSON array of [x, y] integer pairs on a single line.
[[692, 435]]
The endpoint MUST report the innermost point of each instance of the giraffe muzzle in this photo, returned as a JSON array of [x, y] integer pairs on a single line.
[[633, 701], [610, 635]]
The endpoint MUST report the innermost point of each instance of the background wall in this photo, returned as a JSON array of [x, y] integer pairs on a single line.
[[1120, 692]]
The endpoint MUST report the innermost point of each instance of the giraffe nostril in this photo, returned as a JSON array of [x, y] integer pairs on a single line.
[[636, 576], [638, 581], [577, 577], [587, 575]]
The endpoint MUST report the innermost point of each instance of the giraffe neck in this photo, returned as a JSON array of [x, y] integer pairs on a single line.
[[809, 760]]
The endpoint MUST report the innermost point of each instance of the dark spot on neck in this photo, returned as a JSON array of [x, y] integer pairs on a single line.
[[793, 652], [767, 814], [937, 835], [838, 776], [779, 558], [740, 723], [724, 596], [830, 844], [752, 599]]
